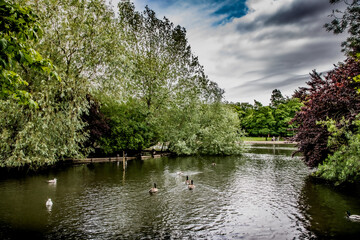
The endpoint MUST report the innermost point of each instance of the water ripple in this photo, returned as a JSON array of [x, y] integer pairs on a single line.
[[255, 196]]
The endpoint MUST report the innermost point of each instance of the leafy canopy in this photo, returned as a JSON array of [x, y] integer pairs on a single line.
[[20, 30], [343, 165], [333, 96]]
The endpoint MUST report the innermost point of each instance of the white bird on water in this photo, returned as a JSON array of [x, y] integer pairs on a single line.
[[49, 203], [352, 217], [52, 181]]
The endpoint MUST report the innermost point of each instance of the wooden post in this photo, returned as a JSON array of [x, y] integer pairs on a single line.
[[123, 178], [124, 161]]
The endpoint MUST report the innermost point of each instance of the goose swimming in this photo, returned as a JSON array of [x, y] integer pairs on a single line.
[[191, 186], [187, 182], [153, 189]]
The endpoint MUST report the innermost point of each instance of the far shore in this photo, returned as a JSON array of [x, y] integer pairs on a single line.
[[269, 142]]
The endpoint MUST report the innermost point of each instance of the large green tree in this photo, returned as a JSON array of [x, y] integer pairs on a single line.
[[207, 129], [76, 38], [164, 78], [160, 66], [276, 98], [273, 120]]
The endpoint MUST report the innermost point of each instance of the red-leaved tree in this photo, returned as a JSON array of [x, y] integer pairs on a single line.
[[334, 96]]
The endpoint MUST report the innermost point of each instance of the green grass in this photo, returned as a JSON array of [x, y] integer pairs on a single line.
[[254, 139], [258, 139]]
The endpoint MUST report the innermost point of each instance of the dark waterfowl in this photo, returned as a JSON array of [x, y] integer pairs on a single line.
[[187, 180], [153, 189], [191, 186]]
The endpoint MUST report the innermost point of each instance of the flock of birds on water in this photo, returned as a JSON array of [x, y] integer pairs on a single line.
[[191, 186], [188, 182]]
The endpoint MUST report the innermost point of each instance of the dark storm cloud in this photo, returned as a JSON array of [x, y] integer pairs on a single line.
[[294, 42], [307, 56], [279, 67], [252, 47], [298, 12]]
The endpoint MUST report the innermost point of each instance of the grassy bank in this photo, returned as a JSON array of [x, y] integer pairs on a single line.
[[258, 139]]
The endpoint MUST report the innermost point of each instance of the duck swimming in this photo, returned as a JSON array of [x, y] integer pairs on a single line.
[[49, 203], [191, 186], [52, 181], [352, 217], [153, 189]]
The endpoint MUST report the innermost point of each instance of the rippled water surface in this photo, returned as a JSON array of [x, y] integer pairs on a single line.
[[264, 194]]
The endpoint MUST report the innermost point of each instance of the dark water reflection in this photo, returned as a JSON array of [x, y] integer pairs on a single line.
[[264, 194]]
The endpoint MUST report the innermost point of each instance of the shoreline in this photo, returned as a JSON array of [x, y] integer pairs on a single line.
[[270, 142]]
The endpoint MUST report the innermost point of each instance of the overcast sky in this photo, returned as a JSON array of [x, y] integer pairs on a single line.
[[250, 47]]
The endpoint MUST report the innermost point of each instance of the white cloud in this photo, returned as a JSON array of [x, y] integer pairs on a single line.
[[275, 45]]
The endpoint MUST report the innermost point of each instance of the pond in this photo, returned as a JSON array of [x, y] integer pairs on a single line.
[[263, 194]]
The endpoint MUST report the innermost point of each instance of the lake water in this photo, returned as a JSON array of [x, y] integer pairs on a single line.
[[263, 194]]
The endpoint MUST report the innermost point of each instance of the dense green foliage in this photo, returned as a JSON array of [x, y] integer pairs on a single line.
[[56, 129], [343, 165], [273, 120], [129, 129], [20, 31], [208, 129], [128, 81]]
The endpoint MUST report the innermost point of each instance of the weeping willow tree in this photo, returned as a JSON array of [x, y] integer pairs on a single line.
[[77, 39]]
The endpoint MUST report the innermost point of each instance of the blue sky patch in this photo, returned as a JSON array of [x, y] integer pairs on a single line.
[[227, 9], [231, 9]]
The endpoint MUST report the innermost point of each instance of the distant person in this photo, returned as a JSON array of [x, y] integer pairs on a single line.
[[273, 138]]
